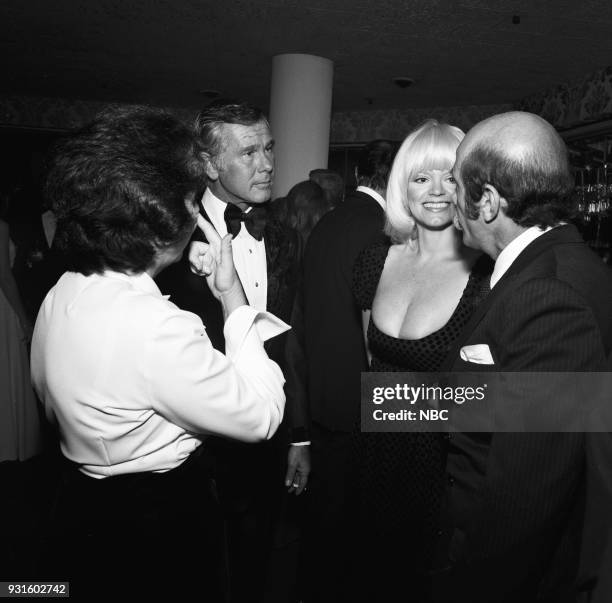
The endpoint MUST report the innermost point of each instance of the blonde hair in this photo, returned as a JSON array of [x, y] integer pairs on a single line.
[[431, 146]]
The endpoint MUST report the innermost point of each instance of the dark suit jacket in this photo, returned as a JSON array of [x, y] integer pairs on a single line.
[[514, 512], [333, 338], [37, 266], [190, 292]]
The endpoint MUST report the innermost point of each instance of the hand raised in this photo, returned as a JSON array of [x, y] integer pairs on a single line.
[[214, 260]]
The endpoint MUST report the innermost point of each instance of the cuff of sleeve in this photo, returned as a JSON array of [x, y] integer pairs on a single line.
[[240, 321], [307, 443], [299, 435]]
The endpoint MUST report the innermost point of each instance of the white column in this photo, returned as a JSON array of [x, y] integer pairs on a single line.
[[300, 114]]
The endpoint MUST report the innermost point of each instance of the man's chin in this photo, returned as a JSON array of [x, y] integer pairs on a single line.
[[259, 199]]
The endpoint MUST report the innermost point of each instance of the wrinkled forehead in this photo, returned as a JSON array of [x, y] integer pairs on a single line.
[[239, 135]]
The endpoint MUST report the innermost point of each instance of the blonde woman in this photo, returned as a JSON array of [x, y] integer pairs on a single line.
[[416, 293]]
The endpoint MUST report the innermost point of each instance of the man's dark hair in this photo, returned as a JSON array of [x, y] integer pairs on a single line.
[[118, 188], [538, 189], [374, 164], [209, 122]]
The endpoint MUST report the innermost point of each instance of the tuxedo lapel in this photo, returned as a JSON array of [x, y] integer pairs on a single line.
[[561, 235], [273, 244], [557, 236], [479, 313], [198, 235], [282, 256]]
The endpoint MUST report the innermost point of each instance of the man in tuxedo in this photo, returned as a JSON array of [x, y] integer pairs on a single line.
[[334, 358], [514, 513], [238, 149]]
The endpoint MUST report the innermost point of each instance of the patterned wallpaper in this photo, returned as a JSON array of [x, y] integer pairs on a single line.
[[356, 126], [394, 124], [564, 106], [571, 104]]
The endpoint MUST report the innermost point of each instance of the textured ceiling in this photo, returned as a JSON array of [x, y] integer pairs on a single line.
[[168, 51]]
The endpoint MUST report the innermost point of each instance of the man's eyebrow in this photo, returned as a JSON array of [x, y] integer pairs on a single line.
[[253, 147]]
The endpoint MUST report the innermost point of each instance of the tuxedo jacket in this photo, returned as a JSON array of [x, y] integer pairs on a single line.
[[331, 321], [514, 526], [190, 292]]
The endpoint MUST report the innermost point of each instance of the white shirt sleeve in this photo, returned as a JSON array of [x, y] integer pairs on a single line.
[[239, 395]]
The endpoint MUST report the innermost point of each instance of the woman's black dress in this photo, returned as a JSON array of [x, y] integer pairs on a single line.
[[401, 474]]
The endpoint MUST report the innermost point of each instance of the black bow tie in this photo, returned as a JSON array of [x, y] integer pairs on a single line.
[[255, 220]]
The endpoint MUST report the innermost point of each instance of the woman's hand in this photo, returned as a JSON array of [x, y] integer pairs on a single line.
[[215, 261]]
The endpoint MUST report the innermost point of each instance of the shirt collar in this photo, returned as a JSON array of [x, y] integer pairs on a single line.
[[215, 209], [509, 253], [376, 196], [141, 281]]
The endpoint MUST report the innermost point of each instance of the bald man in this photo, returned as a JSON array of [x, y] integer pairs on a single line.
[[514, 517]]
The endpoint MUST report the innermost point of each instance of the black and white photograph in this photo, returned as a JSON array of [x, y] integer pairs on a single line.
[[306, 301]]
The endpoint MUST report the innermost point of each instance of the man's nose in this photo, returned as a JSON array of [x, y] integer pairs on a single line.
[[266, 163]]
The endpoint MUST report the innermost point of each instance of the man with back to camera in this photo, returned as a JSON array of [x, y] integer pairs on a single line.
[[514, 517], [239, 155], [332, 340]]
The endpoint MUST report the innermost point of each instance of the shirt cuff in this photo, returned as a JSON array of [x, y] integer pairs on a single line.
[[297, 435], [301, 443], [239, 323]]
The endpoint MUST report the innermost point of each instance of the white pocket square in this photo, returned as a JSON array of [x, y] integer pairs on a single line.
[[478, 354]]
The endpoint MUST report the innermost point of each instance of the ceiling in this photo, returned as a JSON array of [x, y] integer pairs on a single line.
[[465, 52]]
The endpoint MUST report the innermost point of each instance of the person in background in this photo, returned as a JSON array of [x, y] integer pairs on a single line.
[[36, 267], [132, 381], [20, 426], [238, 149], [304, 205], [332, 184], [329, 326], [25, 473], [416, 291]]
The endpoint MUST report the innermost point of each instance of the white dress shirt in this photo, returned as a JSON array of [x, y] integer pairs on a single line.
[[249, 258], [249, 253], [509, 253], [133, 380], [376, 196]]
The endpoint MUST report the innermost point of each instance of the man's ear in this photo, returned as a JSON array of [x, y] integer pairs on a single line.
[[356, 174], [490, 203], [210, 166]]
